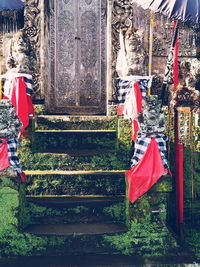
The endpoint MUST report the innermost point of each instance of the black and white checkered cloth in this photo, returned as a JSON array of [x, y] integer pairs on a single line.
[[29, 84], [12, 157], [124, 87], [142, 143]]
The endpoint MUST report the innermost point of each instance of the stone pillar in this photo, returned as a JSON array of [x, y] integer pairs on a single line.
[[109, 57]]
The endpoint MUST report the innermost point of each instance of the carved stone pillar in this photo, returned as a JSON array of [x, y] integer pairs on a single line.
[[109, 57], [32, 29]]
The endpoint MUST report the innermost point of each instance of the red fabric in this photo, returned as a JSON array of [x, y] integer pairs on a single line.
[[22, 176], [138, 96], [146, 173], [30, 105], [135, 128], [4, 162], [22, 102], [120, 110]]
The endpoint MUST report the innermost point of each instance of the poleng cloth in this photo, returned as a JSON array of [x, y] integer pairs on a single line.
[[9, 150], [18, 89], [142, 143], [124, 86], [149, 163], [130, 95]]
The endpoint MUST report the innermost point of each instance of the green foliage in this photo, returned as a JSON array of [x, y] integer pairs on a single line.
[[147, 239], [116, 211], [192, 238], [12, 242]]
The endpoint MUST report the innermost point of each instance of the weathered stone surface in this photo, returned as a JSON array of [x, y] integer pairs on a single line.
[[10, 124]]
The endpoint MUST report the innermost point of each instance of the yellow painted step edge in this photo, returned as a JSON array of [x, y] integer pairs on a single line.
[[59, 172]]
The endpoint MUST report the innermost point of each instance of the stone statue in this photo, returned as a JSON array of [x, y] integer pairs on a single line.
[[19, 58], [131, 56], [10, 126], [134, 50], [151, 120]]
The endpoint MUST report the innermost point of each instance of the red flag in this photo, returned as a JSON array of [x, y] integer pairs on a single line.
[[146, 173], [4, 162]]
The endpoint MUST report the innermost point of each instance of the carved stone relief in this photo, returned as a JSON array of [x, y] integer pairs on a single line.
[[88, 2], [77, 55], [89, 43], [32, 33], [127, 15]]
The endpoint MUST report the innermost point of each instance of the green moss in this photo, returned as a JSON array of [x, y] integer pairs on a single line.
[[45, 123], [147, 239], [192, 238], [117, 212], [12, 242]]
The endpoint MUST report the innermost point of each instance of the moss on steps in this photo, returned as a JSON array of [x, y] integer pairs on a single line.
[[76, 122]]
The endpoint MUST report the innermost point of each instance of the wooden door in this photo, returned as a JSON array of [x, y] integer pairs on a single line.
[[77, 80]]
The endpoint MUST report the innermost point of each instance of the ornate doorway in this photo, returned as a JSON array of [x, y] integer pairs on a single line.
[[77, 57]]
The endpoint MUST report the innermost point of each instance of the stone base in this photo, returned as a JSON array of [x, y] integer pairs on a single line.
[[8, 172]]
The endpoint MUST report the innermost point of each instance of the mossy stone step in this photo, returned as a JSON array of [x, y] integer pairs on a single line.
[[74, 229], [88, 172], [59, 212], [70, 201], [76, 131], [80, 153], [64, 140], [57, 182], [74, 160], [71, 219], [62, 122]]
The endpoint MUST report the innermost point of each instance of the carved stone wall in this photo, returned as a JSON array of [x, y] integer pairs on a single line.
[[126, 14], [32, 29]]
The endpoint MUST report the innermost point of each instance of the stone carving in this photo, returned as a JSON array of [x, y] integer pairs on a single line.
[[151, 120], [88, 2], [32, 33], [89, 91], [89, 44], [121, 19], [134, 51], [67, 41], [186, 95], [19, 60], [77, 48], [10, 126]]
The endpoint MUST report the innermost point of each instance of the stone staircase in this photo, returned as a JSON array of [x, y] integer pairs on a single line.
[[74, 191]]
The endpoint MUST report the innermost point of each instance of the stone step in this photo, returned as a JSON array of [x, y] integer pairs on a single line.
[[71, 219], [74, 229], [75, 160], [75, 131], [63, 122], [101, 260], [65, 140], [59, 172], [71, 201], [91, 182], [80, 153], [67, 209]]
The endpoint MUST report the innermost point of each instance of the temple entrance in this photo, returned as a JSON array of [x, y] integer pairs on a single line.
[[77, 57]]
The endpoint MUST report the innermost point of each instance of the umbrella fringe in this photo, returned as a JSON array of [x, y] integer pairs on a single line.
[[11, 20]]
